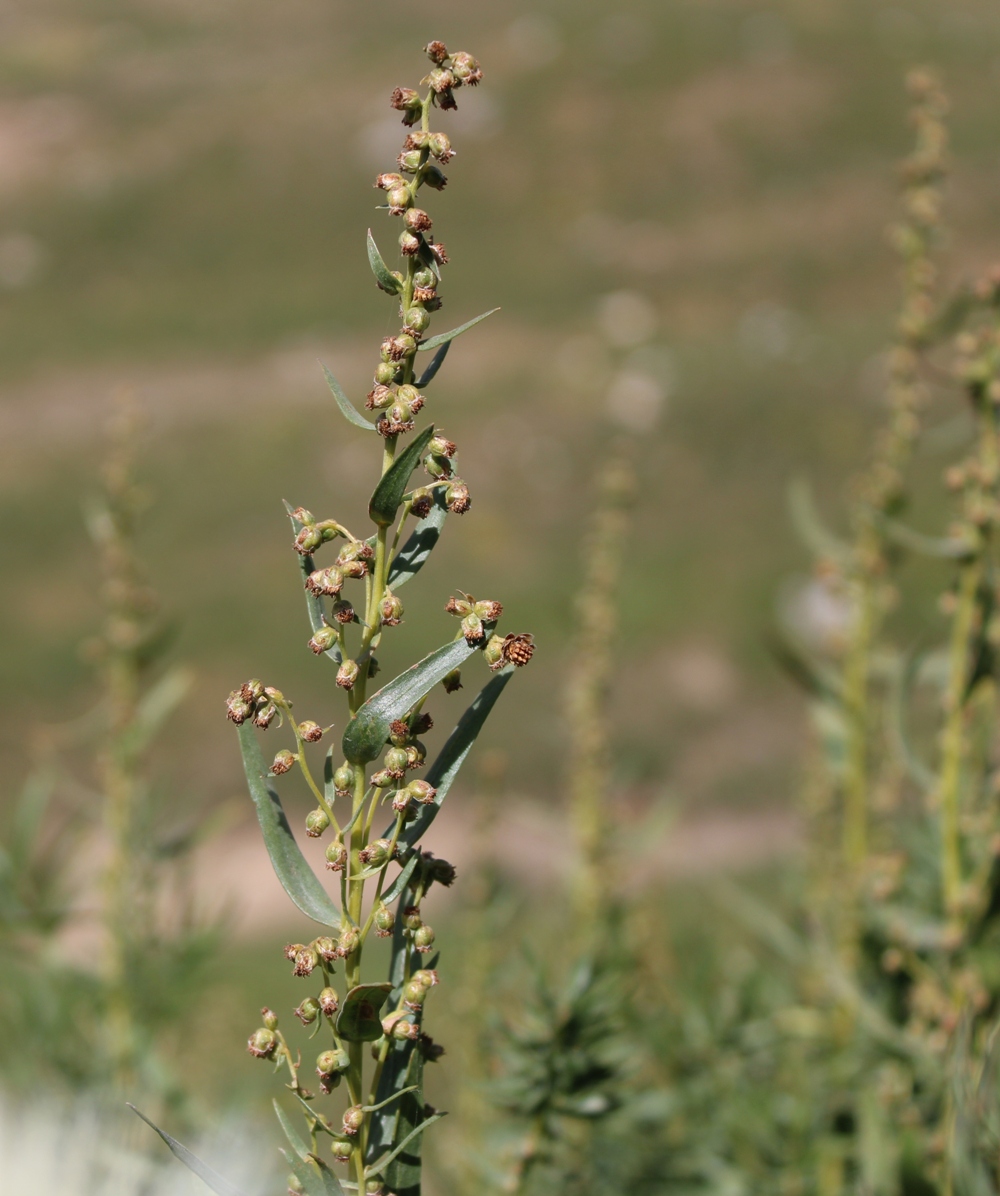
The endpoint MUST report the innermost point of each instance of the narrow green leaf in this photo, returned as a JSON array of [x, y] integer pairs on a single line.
[[358, 1020], [366, 733], [314, 1175], [392, 485], [437, 361], [314, 604], [444, 337], [411, 557], [347, 408], [294, 1140], [289, 864], [402, 880], [215, 1181], [808, 522], [380, 1165], [157, 705], [383, 275], [452, 756], [943, 547], [388, 1100]]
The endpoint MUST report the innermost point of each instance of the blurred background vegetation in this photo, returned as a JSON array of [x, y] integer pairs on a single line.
[[184, 190]]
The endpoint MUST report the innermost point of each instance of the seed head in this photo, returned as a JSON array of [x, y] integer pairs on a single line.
[[518, 649], [436, 51], [426, 295]]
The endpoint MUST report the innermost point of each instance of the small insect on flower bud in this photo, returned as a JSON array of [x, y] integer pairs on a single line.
[[317, 822], [380, 397], [341, 1151], [238, 708], [343, 780], [308, 1011], [457, 497], [518, 649], [409, 244], [452, 681], [421, 503], [343, 611], [436, 51], [269, 1018], [472, 629], [326, 947], [385, 373], [283, 762], [349, 941], [395, 762], [384, 921], [347, 674], [391, 610], [411, 917], [377, 853], [423, 939], [311, 732], [305, 961], [262, 1042], [440, 146], [417, 320], [466, 68], [336, 856], [329, 1002], [422, 791], [417, 220], [399, 200], [325, 582], [323, 640], [354, 1119]]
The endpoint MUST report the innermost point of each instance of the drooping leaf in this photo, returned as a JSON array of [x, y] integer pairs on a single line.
[[383, 275], [411, 557], [289, 864], [444, 337], [806, 520], [347, 408], [366, 733], [388, 1100], [358, 1020], [214, 1180], [436, 363], [314, 604], [392, 485], [294, 1140], [314, 1175], [452, 756]]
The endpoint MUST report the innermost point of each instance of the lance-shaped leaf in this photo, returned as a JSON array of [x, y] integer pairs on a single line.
[[314, 604], [383, 275], [404, 1175], [347, 408], [444, 337], [806, 520], [366, 733], [358, 1020], [289, 864], [436, 362], [402, 880], [944, 547], [392, 485], [314, 1175], [214, 1180], [294, 1140], [411, 557], [452, 756]]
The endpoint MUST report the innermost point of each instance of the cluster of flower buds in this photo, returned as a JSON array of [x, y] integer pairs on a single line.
[[313, 533], [263, 1043], [477, 617], [417, 930], [377, 853], [255, 701], [516, 649], [330, 1067], [352, 562]]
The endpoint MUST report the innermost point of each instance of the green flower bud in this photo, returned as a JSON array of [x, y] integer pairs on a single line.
[[382, 779], [269, 1018], [323, 640], [457, 497], [422, 791], [330, 1062], [311, 732], [417, 320], [439, 145], [493, 652], [380, 397], [308, 540], [399, 199], [459, 606], [437, 467], [398, 1025], [423, 939], [411, 917], [329, 1002], [326, 947], [325, 583], [349, 941], [341, 1151], [391, 610], [434, 177], [306, 960], [238, 708], [472, 629], [317, 822], [354, 1119], [409, 161], [416, 754], [384, 921], [402, 803], [282, 762], [308, 1011], [417, 988], [424, 278], [336, 856], [347, 674], [385, 373], [466, 69], [377, 853], [452, 681], [343, 781], [262, 1042], [488, 611], [395, 762]]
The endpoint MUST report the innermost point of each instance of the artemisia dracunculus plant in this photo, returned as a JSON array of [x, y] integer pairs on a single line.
[[370, 803]]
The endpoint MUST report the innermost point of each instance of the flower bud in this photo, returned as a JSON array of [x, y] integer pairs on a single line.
[[421, 502], [439, 145], [437, 467], [269, 1018], [399, 732], [354, 1119], [317, 822], [416, 140], [417, 319], [385, 373], [308, 540], [417, 220], [326, 947], [377, 853], [452, 681], [409, 244], [422, 723], [325, 582], [355, 568], [398, 1025], [457, 497], [384, 921], [347, 674], [518, 649], [488, 611], [417, 987], [466, 69], [402, 802], [305, 961], [472, 629], [349, 941], [343, 780], [311, 732], [384, 182], [282, 762], [380, 397], [330, 1062], [423, 939], [292, 949], [391, 610], [411, 917], [405, 99], [395, 762], [442, 447], [422, 791], [493, 652], [343, 611], [435, 177], [323, 640], [427, 296], [262, 1042], [416, 754], [336, 856], [399, 200], [424, 278], [382, 778], [341, 1151], [441, 80], [265, 715], [329, 1002], [238, 708], [436, 51], [459, 606], [308, 1011]]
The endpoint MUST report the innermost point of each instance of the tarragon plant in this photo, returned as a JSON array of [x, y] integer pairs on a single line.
[[368, 1032]]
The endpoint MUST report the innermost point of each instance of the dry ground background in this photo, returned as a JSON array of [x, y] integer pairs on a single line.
[[184, 189]]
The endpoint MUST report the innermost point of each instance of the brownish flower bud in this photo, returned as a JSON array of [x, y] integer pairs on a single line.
[[262, 1042], [417, 140], [457, 497], [391, 610], [317, 821], [417, 220], [356, 568], [384, 182], [440, 146], [282, 762], [452, 681], [472, 629], [238, 708], [392, 424], [377, 853], [399, 732], [379, 397], [343, 612], [442, 447], [311, 732], [308, 1011], [336, 856], [405, 99], [421, 502], [292, 949], [305, 961], [349, 941], [518, 649], [326, 947], [489, 611], [323, 640], [402, 803], [329, 1002], [265, 715], [466, 68], [325, 582], [409, 244], [436, 51], [402, 346], [445, 100], [425, 295], [347, 674], [459, 606]]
